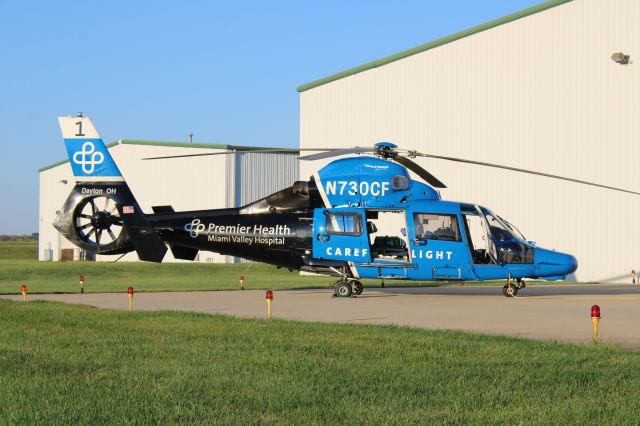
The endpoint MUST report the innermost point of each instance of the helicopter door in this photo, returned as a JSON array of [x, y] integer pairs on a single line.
[[491, 250], [340, 234]]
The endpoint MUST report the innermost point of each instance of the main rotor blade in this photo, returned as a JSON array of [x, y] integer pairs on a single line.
[[259, 151], [417, 169], [516, 169], [331, 152]]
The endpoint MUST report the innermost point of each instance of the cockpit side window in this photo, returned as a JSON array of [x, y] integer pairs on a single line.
[[435, 226]]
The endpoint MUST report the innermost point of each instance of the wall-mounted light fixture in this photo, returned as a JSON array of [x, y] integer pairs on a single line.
[[620, 58]]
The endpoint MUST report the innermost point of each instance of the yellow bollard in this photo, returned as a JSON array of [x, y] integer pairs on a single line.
[[595, 318], [23, 289], [130, 291], [269, 298]]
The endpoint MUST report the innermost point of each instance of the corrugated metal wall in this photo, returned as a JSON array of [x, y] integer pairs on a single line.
[[258, 175]]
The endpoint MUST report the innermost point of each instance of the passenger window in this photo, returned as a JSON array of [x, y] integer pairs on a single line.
[[344, 223], [430, 226]]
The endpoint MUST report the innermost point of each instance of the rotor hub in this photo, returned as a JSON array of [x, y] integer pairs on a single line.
[[386, 150], [102, 220]]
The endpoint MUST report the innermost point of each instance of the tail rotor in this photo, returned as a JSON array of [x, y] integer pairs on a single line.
[[98, 223]]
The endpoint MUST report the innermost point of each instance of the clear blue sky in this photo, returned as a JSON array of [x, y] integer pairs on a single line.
[[227, 71]]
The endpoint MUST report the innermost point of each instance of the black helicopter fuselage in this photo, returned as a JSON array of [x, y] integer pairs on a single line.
[[279, 239]]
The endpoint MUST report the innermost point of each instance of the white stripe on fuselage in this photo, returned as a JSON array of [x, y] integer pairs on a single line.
[[323, 194]]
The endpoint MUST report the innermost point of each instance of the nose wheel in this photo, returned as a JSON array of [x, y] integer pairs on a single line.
[[511, 288]]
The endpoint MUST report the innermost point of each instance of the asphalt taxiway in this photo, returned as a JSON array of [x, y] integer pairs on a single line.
[[549, 312]]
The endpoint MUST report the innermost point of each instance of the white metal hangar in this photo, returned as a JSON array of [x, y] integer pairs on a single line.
[[192, 183], [553, 88]]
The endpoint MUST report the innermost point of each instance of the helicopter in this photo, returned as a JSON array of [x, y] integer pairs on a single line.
[[358, 217]]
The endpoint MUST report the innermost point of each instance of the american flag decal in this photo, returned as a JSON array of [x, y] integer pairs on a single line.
[[127, 209]]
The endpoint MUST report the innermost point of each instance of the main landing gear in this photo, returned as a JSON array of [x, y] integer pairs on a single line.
[[348, 288], [511, 288], [357, 287]]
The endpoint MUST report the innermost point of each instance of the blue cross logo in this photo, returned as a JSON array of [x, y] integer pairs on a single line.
[[88, 158]]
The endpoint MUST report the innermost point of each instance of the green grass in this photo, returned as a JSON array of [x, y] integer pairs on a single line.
[[19, 265], [63, 277], [10, 250], [68, 364]]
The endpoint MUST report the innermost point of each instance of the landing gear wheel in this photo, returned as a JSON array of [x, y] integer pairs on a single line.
[[521, 284], [343, 290], [357, 287], [510, 290]]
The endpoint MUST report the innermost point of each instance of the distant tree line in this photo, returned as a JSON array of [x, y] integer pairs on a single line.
[[32, 237]]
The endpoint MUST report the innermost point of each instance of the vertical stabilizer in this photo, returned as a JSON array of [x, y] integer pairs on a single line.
[[89, 157]]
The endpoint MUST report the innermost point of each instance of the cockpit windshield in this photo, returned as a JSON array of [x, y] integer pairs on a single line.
[[513, 228], [503, 242], [500, 229], [509, 242]]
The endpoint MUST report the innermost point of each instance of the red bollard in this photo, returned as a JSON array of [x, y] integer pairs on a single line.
[[23, 289], [81, 283], [269, 297], [595, 318]]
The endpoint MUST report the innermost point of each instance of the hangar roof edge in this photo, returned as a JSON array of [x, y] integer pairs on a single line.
[[167, 144], [433, 44]]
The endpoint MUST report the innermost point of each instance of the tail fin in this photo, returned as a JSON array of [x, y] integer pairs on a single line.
[[101, 214], [89, 156]]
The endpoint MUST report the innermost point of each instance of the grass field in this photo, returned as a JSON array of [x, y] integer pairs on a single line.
[[19, 265], [68, 364], [23, 250], [62, 277]]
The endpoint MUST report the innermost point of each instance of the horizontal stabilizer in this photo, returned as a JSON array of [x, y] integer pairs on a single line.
[[162, 209]]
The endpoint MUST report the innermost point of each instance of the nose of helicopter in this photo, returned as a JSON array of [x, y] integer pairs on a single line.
[[553, 264]]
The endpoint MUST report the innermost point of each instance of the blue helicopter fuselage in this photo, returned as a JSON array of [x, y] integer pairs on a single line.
[[386, 225]]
